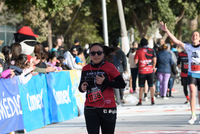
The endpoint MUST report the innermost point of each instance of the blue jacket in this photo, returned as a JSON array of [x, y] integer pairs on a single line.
[[164, 62]]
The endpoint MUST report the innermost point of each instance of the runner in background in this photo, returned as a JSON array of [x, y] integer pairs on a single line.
[[146, 59], [183, 64], [193, 52]]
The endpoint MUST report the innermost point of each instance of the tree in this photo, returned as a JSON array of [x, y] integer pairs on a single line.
[[44, 13]]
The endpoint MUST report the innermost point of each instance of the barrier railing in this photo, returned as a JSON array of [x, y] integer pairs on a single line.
[[45, 99]]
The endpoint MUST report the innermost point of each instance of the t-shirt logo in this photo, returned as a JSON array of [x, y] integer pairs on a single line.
[[195, 55]]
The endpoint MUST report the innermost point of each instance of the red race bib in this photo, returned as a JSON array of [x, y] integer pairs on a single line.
[[195, 67], [95, 96], [185, 65]]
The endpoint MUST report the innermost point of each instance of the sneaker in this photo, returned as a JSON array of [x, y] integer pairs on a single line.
[[187, 101], [152, 103], [174, 90], [171, 96], [165, 98], [145, 99], [139, 104], [192, 120], [131, 90], [134, 92], [158, 96]]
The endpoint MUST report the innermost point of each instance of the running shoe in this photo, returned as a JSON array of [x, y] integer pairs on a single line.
[[152, 103], [192, 119], [145, 99], [139, 104], [187, 101], [174, 90], [134, 92], [165, 98], [158, 96]]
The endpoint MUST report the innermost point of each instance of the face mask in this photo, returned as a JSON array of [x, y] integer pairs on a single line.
[[64, 63], [54, 63], [1, 69]]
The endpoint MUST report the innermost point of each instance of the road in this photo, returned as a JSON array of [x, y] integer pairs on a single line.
[[167, 116]]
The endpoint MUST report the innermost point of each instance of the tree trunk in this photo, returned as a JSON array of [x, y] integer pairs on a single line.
[[180, 30], [50, 36]]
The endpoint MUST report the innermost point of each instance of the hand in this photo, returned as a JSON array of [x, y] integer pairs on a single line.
[[50, 69], [35, 61], [12, 73], [163, 26], [154, 70], [84, 86], [32, 67], [99, 80]]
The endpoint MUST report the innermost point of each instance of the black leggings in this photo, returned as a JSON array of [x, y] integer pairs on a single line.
[[104, 117], [184, 83]]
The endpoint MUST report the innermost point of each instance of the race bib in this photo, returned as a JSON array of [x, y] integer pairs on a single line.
[[195, 66], [185, 65], [95, 95]]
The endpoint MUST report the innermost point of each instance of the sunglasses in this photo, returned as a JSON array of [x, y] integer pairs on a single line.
[[93, 53]]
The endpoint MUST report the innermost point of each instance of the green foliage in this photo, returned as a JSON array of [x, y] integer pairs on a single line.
[[8, 17]]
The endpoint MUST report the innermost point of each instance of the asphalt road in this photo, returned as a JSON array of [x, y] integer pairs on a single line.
[[167, 116]]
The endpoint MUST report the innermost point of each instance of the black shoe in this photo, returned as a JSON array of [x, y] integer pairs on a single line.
[[152, 103], [187, 101], [171, 96], [139, 104]]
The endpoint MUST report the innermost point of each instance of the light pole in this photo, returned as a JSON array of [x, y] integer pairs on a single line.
[[105, 26]]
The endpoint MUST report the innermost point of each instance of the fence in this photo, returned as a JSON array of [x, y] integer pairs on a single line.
[[45, 99]]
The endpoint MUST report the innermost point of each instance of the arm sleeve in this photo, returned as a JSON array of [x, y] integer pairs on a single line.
[[5, 73], [81, 81], [40, 70], [117, 83]]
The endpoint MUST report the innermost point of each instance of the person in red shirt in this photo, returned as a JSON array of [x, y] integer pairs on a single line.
[[146, 59], [183, 64], [98, 79]]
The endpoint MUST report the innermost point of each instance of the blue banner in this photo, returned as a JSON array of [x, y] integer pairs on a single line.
[[10, 106], [34, 99], [62, 102]]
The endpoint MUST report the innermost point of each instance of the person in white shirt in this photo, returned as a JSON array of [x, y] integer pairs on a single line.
[[193, 51]]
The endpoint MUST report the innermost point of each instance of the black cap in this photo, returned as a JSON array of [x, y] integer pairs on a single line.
[[115, 42], [144, 42], [76, 40], [45, 44]]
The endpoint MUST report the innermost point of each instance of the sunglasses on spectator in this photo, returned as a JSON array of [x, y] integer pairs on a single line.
[[93, 53]]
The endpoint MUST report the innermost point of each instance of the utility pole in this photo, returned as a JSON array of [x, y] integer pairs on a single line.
[[105, 26], [125, 42]]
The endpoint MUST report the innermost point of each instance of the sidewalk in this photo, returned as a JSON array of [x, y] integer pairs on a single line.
[[167, 116]]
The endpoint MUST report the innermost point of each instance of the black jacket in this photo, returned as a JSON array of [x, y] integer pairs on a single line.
[[122, 58]]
